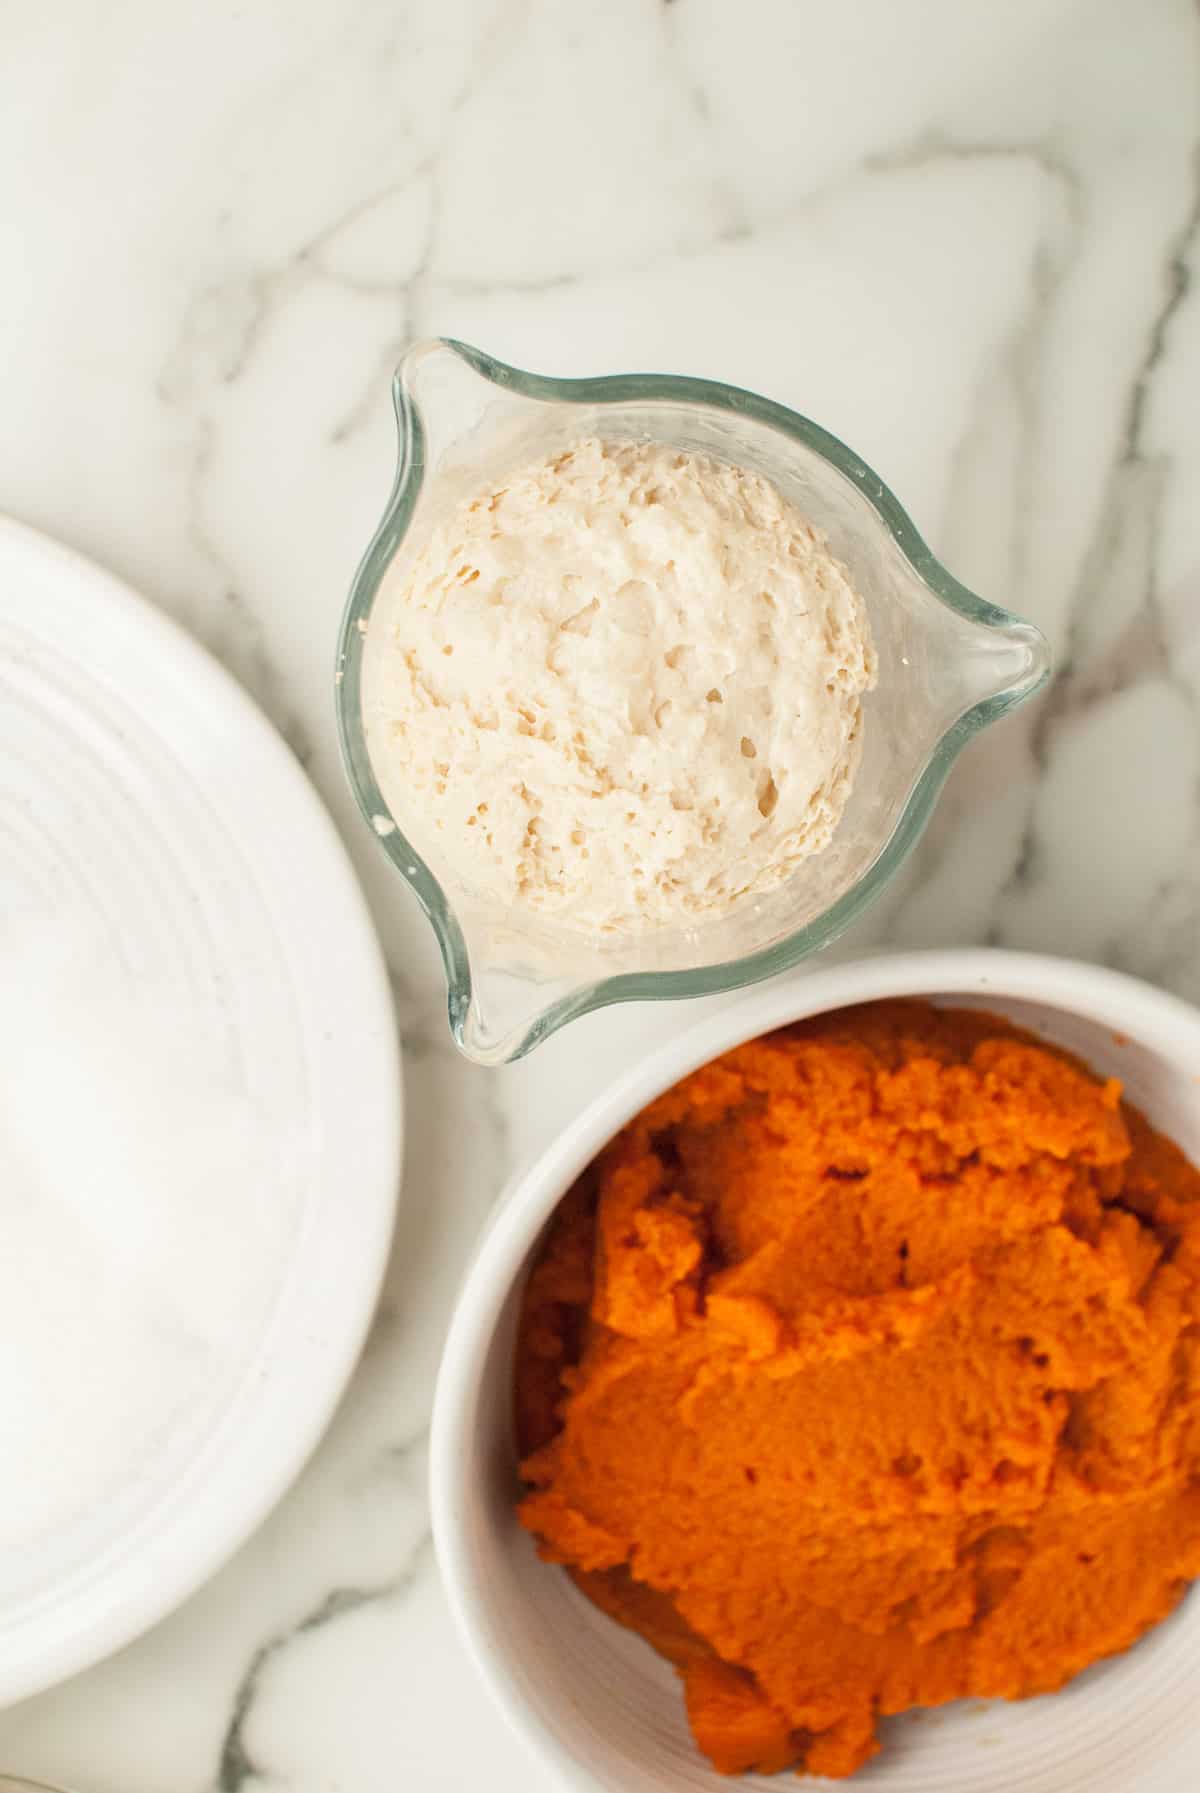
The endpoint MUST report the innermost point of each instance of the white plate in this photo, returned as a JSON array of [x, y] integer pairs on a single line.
[[164, 862]]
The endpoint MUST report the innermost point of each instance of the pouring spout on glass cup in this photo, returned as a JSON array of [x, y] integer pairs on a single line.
[[949, 664]]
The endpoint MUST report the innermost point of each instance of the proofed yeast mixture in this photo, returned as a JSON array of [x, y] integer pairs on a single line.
[[860, 1373], [623, 690]]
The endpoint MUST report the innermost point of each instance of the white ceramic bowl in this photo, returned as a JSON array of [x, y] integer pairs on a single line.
[[602, 1712]]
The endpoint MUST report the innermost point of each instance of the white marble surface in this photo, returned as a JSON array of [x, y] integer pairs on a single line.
[[963, 237]]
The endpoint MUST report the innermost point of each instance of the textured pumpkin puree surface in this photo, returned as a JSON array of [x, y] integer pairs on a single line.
[[860, 1373]]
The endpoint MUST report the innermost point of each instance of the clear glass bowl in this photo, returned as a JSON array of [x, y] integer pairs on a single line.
[[949, 664]]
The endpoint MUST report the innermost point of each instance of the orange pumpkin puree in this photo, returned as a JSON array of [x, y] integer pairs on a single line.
[[860, 1372]]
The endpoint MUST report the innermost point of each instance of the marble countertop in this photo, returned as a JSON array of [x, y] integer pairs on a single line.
[[963, 238]]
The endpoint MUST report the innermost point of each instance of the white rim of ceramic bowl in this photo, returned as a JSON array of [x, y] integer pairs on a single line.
[[1112, 999]]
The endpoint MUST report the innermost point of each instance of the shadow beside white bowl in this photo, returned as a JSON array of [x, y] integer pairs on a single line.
[[600, 1709]]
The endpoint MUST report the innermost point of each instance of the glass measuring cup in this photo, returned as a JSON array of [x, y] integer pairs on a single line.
[[949, 664]]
